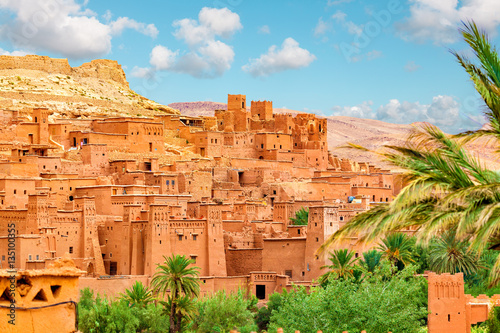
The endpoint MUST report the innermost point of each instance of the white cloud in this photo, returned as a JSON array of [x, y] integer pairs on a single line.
[[63, 27], [123, 23], [411, 66], [264, 30], [438, 21], [212, 22], [351, 27], [443, 111], [290, 56], [14, 53], [221, 22], [363, 110], [142, 72], [207, 57], [161, 58], [321, 28]]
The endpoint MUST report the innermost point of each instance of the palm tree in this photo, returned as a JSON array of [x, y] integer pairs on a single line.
[[371, 259], [301, 217], [184, 308], [449, 254], [181, 281], [342, 267], [137, 295], [447, 188], [397, 248]]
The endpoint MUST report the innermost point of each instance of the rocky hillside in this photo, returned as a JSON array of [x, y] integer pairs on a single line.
[[95, 88], [205, 109]]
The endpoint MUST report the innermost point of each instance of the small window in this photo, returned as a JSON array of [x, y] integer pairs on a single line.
[[15, 191], [37, 257], [168, 182], [71, 249], [195, 237], [180, 237], [173, 182], [29, 257], [110, 255]]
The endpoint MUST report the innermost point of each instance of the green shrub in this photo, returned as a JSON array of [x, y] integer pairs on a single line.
[[223, 312], [380, 303]]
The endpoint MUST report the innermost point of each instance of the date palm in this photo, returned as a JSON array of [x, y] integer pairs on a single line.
[[301, 217], [449, 254], [447, 188], [181, 281], [138, 295], [370, 261], [397, 248], [342, 267]]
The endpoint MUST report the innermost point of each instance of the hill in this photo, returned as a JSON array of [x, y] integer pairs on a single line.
[[95, 88]]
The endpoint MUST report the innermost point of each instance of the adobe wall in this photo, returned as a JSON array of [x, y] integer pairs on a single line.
[[243, 261], [55, 290], [285, 254], [112, 286]]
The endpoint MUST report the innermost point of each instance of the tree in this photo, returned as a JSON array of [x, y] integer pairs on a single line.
[[448, 254], [397, 248], [343, 266], [301, 217], [371, 260], [138, 295], [181, 281], [222, 311], [378, 304], [447, 188]]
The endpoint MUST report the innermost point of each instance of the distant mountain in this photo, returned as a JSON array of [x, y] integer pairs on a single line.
[[198, 109]]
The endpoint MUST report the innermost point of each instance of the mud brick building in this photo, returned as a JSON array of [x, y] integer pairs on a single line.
[[119, 193]]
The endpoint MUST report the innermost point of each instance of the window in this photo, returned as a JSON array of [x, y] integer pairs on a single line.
[[15, 191], [168, 182], [289, 273], [29, 257], [71, 249], [173, 182], [180, 237], [193, 258], [195, 237], [110, 255], [37, 257]]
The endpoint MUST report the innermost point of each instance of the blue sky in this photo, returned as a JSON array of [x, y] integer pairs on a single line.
[[380, 59]]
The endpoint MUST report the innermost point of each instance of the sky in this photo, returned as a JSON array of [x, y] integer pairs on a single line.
[[381, 59]]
